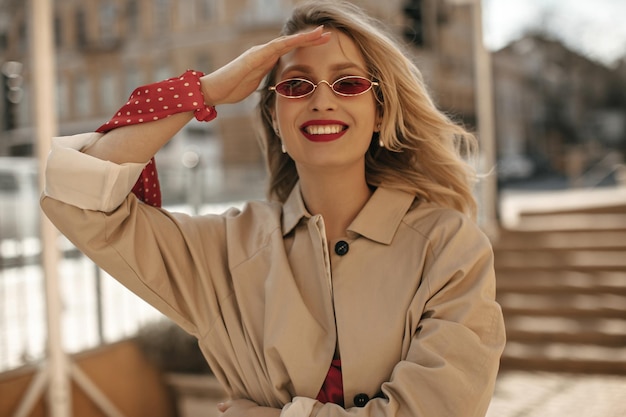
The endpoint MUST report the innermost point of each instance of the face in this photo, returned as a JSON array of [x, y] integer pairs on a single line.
[[324, 130]]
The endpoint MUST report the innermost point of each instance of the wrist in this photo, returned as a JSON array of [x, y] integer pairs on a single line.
[[205, 81]]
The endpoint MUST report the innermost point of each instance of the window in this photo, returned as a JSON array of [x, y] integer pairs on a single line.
[[107, 19], [265, 11], [8, 182], [163, 72], [81, 28], [62, 101], [23, 38], [268, 9], [203, 63], [108, 92], [58, 31], [133, 79], [132, 17], [82, 100], [187, 13], [161, 15], [207, 10]]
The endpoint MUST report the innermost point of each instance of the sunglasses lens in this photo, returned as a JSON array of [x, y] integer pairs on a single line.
[[352, 86], [346, 86], [294, 88]]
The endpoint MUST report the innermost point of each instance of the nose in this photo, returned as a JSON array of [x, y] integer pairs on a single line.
[[323, 98]]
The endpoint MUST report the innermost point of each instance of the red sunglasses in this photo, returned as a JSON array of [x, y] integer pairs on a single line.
[[349, 86]]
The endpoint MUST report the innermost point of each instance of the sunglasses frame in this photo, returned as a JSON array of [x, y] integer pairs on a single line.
[[372, 84]]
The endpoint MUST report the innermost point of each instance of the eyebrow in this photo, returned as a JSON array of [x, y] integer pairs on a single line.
[[309, 69]]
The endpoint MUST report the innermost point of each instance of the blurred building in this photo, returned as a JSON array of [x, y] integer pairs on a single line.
[[106, 48], [558, 113]]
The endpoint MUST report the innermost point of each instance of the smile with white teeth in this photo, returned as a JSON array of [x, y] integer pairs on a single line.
[[323, 130]]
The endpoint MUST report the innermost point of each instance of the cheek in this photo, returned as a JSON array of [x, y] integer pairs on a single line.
[[283, 114], [286, 116], [370, 113]]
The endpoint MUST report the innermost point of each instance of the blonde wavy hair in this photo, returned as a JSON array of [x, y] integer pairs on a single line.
[[425, 152]]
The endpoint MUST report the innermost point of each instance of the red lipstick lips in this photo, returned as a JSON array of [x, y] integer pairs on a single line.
[[323, 130]]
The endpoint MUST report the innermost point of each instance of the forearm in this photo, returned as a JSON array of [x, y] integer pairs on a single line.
[[153, 114], [132, 140], [139, 142]]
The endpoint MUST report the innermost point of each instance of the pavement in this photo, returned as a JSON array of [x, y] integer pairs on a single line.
[[542, 394]]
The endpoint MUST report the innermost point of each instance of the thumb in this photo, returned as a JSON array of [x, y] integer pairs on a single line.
[[223, 406]]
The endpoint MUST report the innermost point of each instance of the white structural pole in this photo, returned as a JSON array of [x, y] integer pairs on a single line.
[[59, 393], [486, 124], [483, 82], [57, 371]]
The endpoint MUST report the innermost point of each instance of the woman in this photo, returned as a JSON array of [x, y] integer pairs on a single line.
[[363, 287]]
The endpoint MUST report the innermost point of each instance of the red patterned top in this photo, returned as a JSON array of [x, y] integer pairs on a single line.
[[154, 102], [332, 389]]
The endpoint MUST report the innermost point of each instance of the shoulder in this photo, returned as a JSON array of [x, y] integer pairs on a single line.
[[440, 225], [257, 215], [251, 228]]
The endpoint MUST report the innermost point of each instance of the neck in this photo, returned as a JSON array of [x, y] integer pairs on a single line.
[[337, 196]]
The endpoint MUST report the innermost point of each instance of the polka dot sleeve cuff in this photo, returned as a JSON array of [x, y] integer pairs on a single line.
[[154, 102]]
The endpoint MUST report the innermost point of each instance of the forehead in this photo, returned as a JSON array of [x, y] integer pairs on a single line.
[[340, 52]]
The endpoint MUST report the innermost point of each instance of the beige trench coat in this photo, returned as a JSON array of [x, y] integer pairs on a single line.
[[407, 296]]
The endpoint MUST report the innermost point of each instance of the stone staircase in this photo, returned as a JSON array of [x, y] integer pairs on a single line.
[[561, 281]]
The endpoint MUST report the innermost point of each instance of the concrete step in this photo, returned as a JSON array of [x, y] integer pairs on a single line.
[[575, 260], [591, 337], [562, 240], [553, 329], [577, 306], [561, 282], [565, 209], [572, 222], [564, 357], [616, 208]]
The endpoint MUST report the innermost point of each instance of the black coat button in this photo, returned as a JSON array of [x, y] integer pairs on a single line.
[[341, 247], [361, 399]]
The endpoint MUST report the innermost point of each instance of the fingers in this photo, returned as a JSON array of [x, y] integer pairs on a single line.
[[265, 56], [261, 58], [241, 77], [285, 44]]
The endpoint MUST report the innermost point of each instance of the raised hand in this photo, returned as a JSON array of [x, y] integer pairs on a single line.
[[241, 77]]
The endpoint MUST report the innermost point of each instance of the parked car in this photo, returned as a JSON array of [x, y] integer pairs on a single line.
[[19, 198]]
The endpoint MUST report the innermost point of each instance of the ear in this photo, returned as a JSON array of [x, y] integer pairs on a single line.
[[378, 123], [274, 121], [275, 125]]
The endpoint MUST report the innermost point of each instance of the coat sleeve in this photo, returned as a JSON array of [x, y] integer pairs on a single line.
[[455, 335], [84, 181], [158, 255]]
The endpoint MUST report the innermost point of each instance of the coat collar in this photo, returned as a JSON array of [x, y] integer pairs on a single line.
[[378, 220]]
